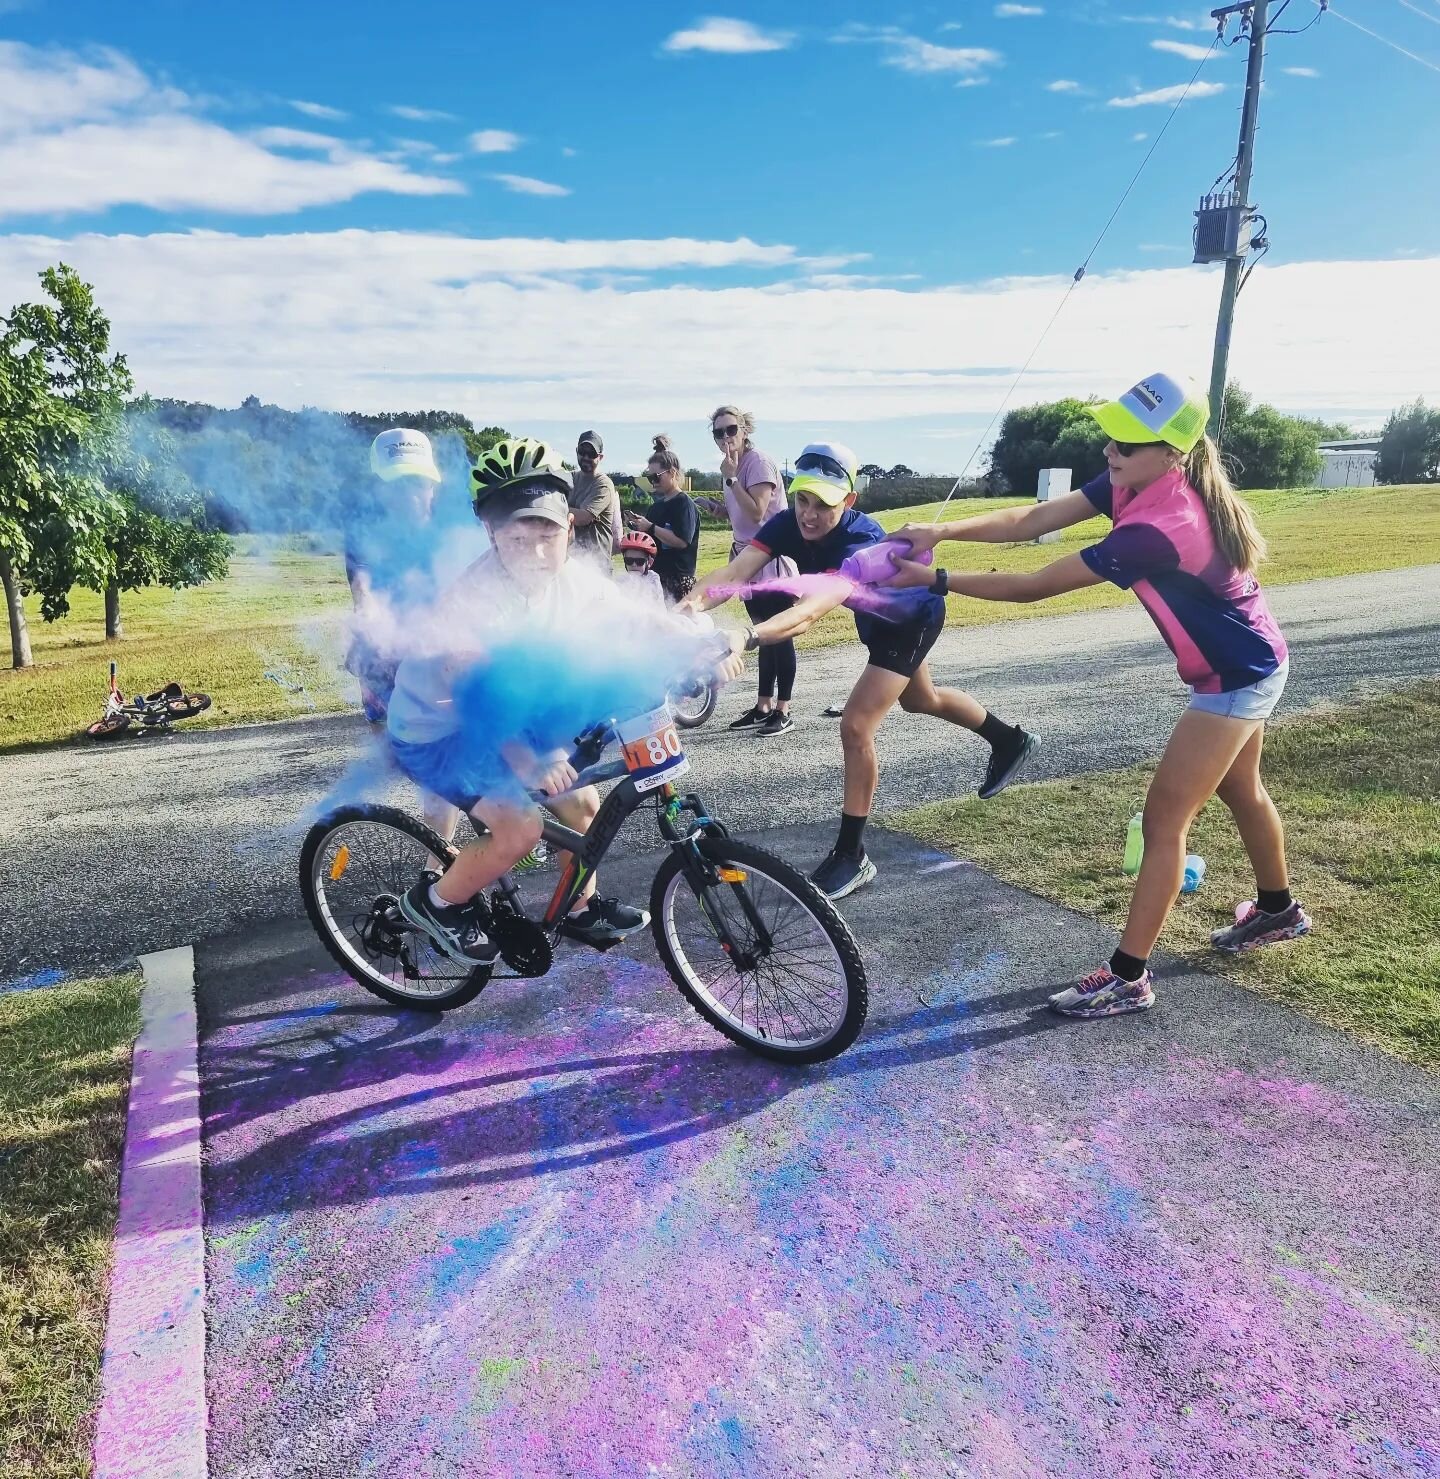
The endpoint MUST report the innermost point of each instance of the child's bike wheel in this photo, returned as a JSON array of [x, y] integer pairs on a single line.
[[693, 703], [187, 705], [802, 998], [354, 866], [108, 727]]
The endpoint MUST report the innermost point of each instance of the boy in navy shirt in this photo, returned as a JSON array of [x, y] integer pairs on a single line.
[[898, 628]]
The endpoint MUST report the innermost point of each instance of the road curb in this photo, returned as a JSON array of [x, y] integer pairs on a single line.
[[152, 1419]]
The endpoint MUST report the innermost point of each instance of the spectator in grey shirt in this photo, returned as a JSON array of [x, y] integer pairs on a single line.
[[595, 504]]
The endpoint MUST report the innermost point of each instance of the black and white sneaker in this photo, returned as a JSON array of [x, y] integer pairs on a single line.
[[751, 718], [454, 929], [603, 923], [775, 723], [833, 711], [1006, 763], [842, 873]]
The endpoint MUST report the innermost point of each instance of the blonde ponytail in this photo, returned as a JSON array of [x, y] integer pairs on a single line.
[[1233, 525]]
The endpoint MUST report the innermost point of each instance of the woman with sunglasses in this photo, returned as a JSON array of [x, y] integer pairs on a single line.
[[754, 494], [822, 532], [1187, 545], [671, 521]]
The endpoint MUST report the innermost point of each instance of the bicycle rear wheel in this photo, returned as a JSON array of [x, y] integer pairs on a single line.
[[187, 705], [693, 703], [354, 865], [109, 727], [794, 989]]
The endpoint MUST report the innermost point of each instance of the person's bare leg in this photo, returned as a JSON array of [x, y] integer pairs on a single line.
[[513, 831], [1199, 755], [577, 811], [442, 818], [921, 696], [873, 696], [1258, 822]]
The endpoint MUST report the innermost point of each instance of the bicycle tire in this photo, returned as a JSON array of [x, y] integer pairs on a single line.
[[348, 951], [686, 711], [187, 705], [109, 727], [846, 1018]]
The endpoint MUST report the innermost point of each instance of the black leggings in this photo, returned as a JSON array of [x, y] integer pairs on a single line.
[[777, 659]]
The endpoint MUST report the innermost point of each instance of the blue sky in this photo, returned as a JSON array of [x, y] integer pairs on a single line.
[[857, 225]]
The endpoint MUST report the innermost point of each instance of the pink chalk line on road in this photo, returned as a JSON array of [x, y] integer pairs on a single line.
[[152, 1417]]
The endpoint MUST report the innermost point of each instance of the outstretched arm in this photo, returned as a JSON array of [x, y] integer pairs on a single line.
[[805, 612], [740, 571], [1069, 574], [1008, 526]]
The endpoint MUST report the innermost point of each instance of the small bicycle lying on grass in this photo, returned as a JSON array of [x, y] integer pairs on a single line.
[[752, 944], [155, 713]]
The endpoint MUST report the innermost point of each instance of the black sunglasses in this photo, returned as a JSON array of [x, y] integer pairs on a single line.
[[636, 562], [721, 432], [1129, 449], [816, 462]]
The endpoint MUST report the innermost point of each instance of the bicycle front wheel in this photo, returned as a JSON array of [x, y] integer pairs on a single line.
[[792, 986], [354, 866]]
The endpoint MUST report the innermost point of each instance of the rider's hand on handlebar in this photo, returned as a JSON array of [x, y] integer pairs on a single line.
[[558, 777]]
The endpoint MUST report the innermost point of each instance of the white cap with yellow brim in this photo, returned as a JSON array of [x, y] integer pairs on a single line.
[[1159, 408], [827, 470]]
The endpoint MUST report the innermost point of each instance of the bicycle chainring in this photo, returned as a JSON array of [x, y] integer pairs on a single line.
[[524, 946]]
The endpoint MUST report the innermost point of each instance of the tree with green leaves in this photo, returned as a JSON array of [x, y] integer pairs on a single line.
[[1410, 445], [1264, 448], [1050, 434]]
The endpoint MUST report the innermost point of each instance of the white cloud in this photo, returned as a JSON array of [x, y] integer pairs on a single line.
[[1138, 138], [545, 340], [318, 110], [421, 115], [494, 141], [1187, 49], [87, 133], [1062, 84], [1299, 71], [998, 143], [1007, 12], [911, 54], [1167, 95], [729, 37], [528, 185]]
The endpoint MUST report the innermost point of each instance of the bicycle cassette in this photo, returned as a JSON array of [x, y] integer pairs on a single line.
[[523, 944]]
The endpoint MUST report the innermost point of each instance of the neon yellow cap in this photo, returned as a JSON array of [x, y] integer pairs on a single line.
[[1160, 408]]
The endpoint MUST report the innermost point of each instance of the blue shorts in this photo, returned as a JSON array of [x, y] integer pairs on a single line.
[[1255, 701], [453, 770]]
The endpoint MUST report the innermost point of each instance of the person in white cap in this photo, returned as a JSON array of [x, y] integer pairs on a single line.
[[823, 532]]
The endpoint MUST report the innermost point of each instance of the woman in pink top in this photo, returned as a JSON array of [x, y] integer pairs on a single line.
[[754, 493], [1185, 542]]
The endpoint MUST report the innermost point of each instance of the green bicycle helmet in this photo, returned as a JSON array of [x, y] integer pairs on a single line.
[[515, 464]]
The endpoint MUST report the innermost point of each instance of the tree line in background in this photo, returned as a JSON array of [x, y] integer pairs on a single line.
[[113, 494]]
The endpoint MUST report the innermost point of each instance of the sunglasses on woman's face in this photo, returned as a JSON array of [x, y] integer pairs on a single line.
[[724, 433], [1129, 449]]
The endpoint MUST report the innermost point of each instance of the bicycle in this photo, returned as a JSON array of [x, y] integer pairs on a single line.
[[156, 712], [693, 701], [752, 944]]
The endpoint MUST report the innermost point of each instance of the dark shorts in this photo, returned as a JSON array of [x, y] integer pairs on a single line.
[[450, 770], [677, 584], [900, 647]]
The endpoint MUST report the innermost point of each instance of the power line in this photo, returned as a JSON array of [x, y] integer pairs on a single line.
[[1423, 14], [1383, 40], [1079, 273]]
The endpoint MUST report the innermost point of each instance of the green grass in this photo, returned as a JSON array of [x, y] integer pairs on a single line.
[[282, 610], [64, 1071], [1358, 788]]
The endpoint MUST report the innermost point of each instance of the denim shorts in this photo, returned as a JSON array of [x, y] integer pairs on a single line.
[[1257, 701]]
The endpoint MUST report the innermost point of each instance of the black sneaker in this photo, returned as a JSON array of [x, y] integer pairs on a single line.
[[593, 925], [775, 723], [751, 718], [453, 929], [833, 711], [1006, 763], [842, 873]]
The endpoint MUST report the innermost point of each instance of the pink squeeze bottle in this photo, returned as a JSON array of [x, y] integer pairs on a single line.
[[876, 562]]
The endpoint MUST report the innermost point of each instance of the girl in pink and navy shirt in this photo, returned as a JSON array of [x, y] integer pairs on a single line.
[[1187, 545]]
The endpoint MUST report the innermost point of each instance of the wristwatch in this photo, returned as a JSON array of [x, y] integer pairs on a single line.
[[940, 586], [729, 482]]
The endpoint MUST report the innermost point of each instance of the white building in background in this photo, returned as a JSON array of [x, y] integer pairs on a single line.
[[1349, 463]]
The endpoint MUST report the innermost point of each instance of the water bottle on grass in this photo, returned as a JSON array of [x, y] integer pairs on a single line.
[[1194, 873], [1135, 843]]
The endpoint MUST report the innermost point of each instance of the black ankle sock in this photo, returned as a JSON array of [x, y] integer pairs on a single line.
[[850, 831], [1127, 967], [996, 732], [1273, 900]]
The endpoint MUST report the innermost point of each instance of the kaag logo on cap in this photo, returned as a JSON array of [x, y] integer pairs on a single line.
[[1151, 399]]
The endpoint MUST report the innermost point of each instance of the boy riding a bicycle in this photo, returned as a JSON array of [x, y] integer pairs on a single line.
[[498, 649]]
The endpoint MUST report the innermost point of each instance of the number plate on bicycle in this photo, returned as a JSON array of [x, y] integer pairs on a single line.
[[653, 753]]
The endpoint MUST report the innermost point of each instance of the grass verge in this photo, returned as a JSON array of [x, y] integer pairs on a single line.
[[266, 642], [64, 1074], [1359, 790]]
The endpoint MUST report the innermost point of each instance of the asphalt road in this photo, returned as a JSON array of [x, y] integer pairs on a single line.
[[106, 853], [568, 1230]]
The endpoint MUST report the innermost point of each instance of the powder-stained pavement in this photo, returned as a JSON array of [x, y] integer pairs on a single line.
[[569, 1230]]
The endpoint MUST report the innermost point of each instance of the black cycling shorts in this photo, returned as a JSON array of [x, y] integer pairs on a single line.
[[900, 647]]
